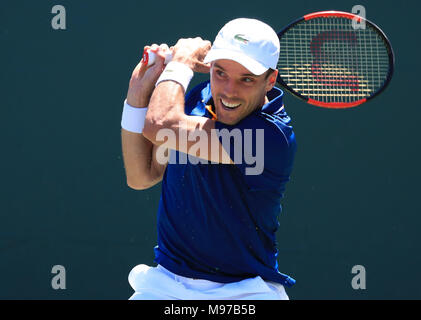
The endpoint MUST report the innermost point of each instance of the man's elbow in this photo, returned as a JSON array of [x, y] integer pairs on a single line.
[[156, 129], [138, 185]]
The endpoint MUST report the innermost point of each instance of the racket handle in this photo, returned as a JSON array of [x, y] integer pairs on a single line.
[[149, 57]]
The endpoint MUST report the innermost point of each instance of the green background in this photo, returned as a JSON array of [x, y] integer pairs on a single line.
[[354, 194]]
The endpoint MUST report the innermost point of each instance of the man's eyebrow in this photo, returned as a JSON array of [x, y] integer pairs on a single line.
[[243, 75], [218, 66]]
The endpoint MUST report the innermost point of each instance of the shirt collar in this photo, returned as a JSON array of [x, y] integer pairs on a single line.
[[275, 97]]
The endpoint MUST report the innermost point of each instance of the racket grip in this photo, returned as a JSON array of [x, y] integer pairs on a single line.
[[149, 57]]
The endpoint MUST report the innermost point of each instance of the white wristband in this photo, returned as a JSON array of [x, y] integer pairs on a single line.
[[178, 72], [133, 119]]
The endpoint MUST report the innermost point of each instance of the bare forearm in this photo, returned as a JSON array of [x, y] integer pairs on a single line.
[[137, 156], [166, 112], [166, 105], [166, 124]]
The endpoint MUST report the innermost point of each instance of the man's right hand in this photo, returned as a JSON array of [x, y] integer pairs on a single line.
[[143, 80], [192, 52]]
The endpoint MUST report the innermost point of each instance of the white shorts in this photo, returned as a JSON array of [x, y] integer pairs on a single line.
[[158, 283]]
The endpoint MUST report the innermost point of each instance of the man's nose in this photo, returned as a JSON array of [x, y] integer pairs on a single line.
[[230, 89]]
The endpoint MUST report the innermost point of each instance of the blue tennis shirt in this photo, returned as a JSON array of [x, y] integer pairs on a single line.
[[217, 221]]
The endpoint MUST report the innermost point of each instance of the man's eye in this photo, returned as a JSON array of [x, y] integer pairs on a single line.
[[248, 80], [220, 73]]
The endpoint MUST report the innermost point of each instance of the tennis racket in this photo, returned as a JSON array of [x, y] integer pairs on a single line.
[[334, 59], [331, 59]]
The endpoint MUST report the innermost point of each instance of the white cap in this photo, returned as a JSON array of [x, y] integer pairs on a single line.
[[250, 42]]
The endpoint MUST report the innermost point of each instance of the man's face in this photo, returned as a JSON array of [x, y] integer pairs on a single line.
[[236, 91]]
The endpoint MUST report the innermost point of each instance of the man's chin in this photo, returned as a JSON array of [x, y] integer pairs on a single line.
[[228, 121]]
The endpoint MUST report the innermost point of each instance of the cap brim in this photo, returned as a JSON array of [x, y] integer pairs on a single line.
[[252, 65]]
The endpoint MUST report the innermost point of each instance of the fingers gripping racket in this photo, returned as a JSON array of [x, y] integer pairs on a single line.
[[331, 59]]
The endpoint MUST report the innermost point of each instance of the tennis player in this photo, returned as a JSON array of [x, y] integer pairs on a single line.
[[224, 153]]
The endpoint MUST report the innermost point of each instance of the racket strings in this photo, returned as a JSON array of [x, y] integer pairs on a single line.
[[328, 60]]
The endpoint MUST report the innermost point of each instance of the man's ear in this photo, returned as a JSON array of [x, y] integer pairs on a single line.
[[271, 80]]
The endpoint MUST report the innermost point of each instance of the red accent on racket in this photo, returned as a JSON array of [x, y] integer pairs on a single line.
[[145, 57]]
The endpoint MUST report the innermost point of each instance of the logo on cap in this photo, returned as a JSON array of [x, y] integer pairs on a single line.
[[241, 38]]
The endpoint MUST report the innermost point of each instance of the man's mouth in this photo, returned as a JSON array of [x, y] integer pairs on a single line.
[[228, 105]]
